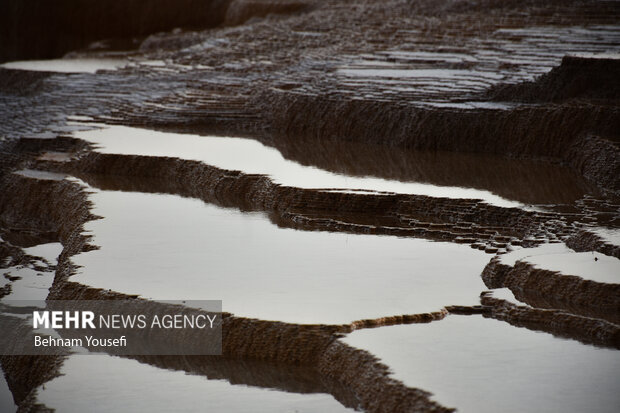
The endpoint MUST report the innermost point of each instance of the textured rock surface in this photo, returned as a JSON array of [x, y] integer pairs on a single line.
[[349, 87]]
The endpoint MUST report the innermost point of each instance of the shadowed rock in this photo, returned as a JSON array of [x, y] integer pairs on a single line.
[[550, 289], [557, 322]]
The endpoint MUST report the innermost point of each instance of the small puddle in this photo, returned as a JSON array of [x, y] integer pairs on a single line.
[[483, 365], [168, 247], [252, 157], [55, 157], [100, 383], [42, 175], [558, 257], [78, 65]]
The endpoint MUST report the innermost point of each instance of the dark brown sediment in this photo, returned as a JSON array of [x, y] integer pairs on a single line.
[[52, 216], [495, 273], [550, 289], [396, 320], [467, 309], [557, 322]]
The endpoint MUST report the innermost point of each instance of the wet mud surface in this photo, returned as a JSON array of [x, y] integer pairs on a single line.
[[393, 137]]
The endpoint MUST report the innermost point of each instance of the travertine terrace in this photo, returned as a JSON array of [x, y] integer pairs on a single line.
[[516, 101]]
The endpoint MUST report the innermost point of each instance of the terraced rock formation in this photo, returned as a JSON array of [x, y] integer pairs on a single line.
[[519, 99]]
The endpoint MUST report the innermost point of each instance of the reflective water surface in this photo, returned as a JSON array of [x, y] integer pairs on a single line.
[[128, 385], [355, 165], [168, 247], [252, 157], [558, 257], [77, 65], [43, 175], [484, 365]]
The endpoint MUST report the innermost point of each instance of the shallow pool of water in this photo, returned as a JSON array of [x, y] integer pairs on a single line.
[[42, 175], [484, 365], [558, 257], [77, 65], [100, 383], [168, 247], [252, 157]]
